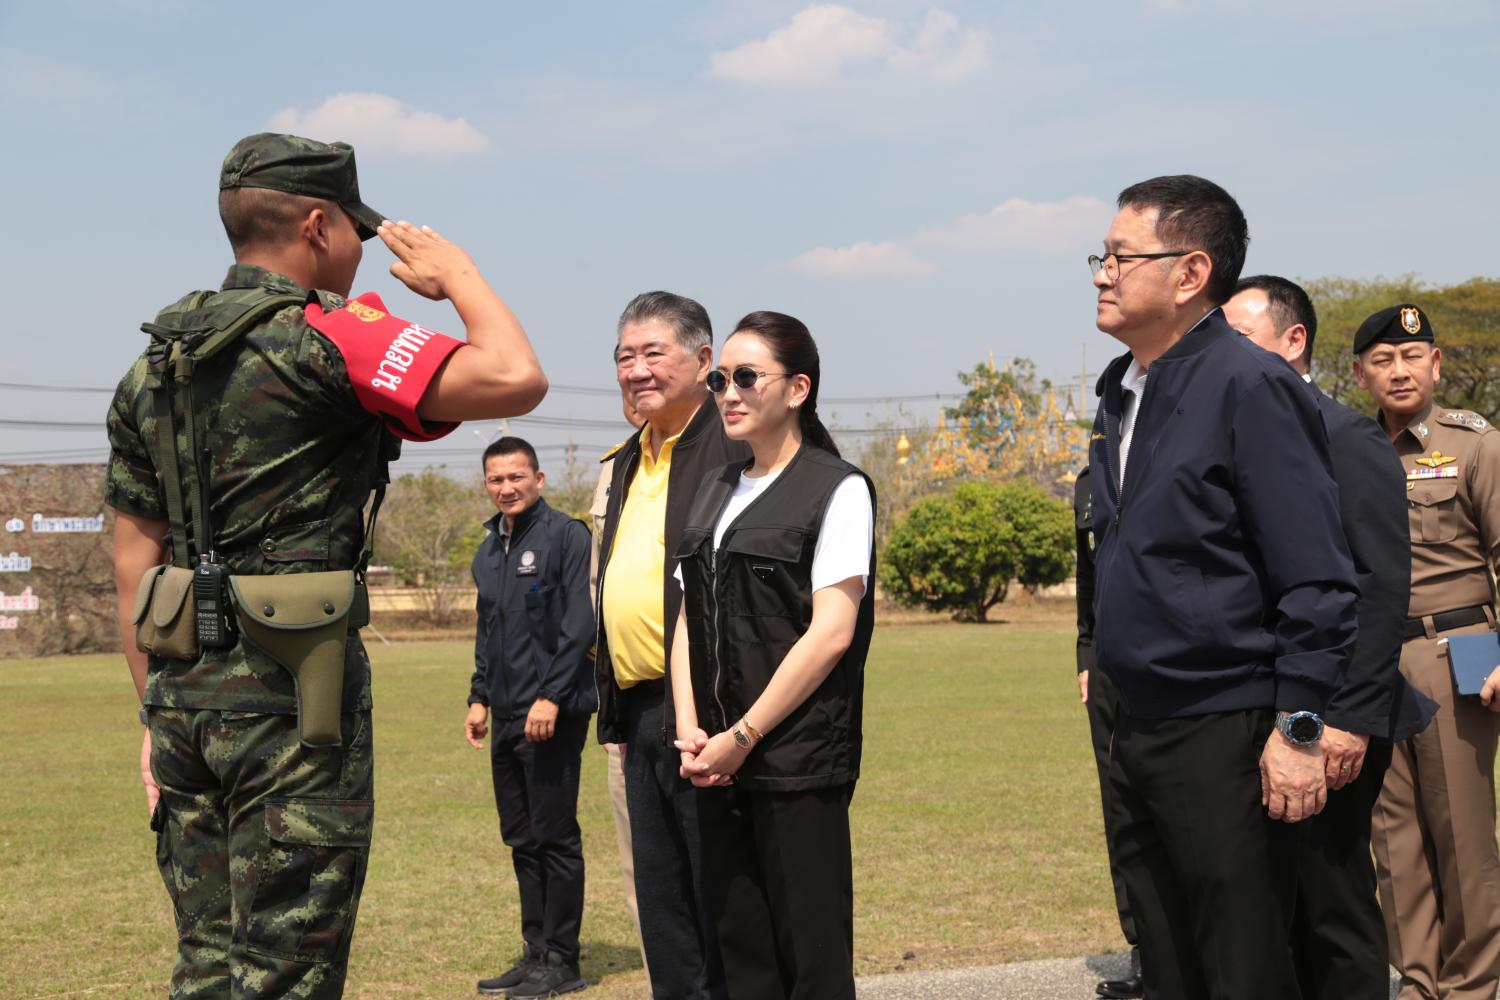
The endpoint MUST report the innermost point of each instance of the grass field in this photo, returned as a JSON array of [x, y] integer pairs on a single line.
[[977, 835]]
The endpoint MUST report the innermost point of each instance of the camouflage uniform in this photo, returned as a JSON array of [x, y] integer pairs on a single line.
[[262, 842]]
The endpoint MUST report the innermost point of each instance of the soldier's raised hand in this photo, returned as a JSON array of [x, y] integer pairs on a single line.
[[425, 262]]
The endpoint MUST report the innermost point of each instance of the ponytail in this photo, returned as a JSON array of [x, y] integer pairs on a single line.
[[813, 431]]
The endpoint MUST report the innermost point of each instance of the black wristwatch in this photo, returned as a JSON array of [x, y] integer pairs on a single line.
[[1302, 729]]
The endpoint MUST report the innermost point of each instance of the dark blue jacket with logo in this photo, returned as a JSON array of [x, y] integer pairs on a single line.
[[1222, 578], [536, 621]]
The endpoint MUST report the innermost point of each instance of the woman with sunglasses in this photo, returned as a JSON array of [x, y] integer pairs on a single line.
[[777, 565]]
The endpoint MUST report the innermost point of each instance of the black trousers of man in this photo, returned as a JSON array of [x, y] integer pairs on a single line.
[[1338, 934], [779, 882], [1101, 712], [536, 791], [1210, 878], [682, 954]]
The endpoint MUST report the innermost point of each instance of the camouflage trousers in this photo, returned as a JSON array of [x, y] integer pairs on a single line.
[[263, 845]]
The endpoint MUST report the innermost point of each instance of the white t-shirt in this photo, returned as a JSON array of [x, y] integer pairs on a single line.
[[844, 538]]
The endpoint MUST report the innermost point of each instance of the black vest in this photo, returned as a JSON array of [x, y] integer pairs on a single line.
[[748, 604]]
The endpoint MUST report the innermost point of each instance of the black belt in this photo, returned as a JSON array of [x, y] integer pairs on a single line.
[[1446, 620]]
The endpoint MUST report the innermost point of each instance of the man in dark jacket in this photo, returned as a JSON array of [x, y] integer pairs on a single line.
[[1098, 697], [663, 354], [1224, 598], [532, 681], [1338, 937]]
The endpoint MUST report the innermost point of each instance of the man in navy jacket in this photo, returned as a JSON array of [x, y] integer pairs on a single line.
[[533, 681], [1224, 598]]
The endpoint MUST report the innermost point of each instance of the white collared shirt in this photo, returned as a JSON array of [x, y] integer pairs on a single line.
[[1132, 387]]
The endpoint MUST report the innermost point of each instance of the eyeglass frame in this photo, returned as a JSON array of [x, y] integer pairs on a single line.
[[1099, 263], [734, 376]]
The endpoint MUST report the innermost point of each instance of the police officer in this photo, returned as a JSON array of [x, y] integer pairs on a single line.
[[533, 680], [264, 827], [1098, 696], [1434, 823]]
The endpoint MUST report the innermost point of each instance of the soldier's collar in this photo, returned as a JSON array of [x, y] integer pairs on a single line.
[[253, 276], [1420, 427]]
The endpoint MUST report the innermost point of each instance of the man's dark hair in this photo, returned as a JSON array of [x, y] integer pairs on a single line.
[[688, 319], [1289, 303], [511, 446], [1196, 214], [259, 218]]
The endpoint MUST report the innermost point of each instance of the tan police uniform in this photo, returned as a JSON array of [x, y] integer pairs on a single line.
[[1434, 824]]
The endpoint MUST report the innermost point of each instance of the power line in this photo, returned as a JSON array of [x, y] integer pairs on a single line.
[[573, 390]]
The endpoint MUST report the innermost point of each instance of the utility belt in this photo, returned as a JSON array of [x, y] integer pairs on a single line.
[[1445, 621], [303, 621]]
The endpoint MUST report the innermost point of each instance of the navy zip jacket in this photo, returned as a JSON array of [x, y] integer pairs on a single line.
[[536, 622], [1222, 578]]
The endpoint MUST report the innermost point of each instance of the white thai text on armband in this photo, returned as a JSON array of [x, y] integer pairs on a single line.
[[400, 356]]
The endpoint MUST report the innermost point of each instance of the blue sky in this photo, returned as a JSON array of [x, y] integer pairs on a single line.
[[919, 183]]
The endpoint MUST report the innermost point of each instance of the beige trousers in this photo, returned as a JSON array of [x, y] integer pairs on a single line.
[[1434, 839]]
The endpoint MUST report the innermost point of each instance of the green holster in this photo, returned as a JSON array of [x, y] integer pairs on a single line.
[[302, 621]]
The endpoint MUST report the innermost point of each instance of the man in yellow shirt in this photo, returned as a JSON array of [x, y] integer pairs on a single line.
[[663, 354]]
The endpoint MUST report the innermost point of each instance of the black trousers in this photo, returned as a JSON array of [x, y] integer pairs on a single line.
[[1338, 934], [1101, 712], [536, 792], [1211, 880], [779, 882], [682, 954]]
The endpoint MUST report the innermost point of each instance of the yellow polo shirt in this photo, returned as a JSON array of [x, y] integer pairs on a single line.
[[634, 578]]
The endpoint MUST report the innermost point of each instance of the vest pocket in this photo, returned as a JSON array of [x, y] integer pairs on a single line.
[[1433, 506]]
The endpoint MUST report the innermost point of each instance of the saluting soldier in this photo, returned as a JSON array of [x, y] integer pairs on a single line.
[[254, 463], [1434, 823]]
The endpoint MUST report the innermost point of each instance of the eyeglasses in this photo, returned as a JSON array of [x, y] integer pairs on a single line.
[[1110, 262], [744, 377]]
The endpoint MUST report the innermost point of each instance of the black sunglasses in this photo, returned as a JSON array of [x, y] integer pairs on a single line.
[[744, 377]]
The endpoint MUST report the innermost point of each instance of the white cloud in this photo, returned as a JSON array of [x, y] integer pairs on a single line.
[[862, 260], [822, 41], [1015, 228], [1020, 226], [376, 123]]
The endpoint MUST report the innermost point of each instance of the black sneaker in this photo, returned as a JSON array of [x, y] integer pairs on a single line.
[[549, 977], [496, 986]]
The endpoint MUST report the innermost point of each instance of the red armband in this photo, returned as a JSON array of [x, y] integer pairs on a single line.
[[390, 361]]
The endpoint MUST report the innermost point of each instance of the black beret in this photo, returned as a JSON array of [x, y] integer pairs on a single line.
[[1402, 324]]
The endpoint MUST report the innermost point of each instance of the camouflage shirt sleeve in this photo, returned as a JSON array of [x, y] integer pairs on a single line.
[[130, 481]]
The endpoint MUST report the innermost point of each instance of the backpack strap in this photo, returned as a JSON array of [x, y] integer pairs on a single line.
[[172, 356]]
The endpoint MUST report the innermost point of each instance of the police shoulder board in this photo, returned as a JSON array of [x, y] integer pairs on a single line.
[[1467, 419]]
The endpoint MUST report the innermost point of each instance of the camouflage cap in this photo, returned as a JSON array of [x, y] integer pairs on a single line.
[[300, 166], [1400, 324]]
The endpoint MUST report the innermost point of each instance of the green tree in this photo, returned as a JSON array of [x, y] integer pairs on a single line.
[[1466, 318], [1044, 538], [995, 396], [430, 526], [960, 551]]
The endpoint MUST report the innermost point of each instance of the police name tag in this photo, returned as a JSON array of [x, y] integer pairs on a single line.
[[528, 564]]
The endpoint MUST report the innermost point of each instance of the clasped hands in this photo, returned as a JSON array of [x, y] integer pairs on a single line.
[[709, 761]]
